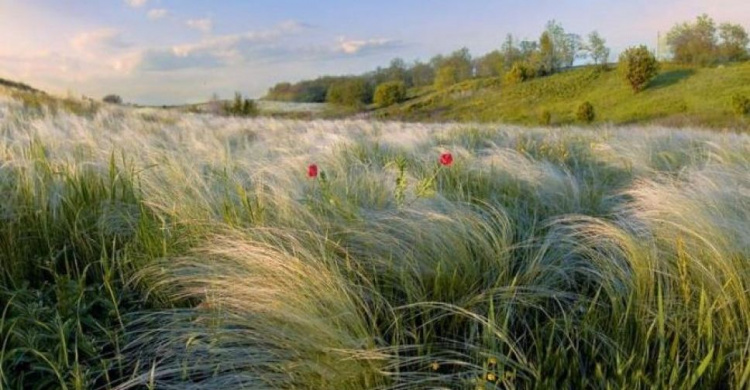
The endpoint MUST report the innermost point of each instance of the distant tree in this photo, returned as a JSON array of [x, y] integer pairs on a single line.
[[517, 74], [734, 41], [547, 61], [422, 74], [112, 99], [352, 92], [597, 50], [694, 43], [511, 53], [585, 112], [460, 60], [638, 66], [491, 64], [566, 46], [241, 107], [389, 93], [397, 71], [446, 76]]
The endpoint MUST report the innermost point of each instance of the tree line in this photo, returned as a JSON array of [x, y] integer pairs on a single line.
[[699, 43]]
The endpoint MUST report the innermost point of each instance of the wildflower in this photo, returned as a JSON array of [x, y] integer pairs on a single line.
[[434, 366], [491, 377], [446, 159], [312, 170], [492, 361]]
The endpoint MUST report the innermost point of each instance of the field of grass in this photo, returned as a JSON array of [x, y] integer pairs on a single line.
[[179, 251], [679, 96]]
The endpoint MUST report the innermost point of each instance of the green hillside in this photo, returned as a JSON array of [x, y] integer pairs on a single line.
[[678, 96]]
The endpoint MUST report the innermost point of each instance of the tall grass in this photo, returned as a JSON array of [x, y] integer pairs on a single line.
[[187, 251]]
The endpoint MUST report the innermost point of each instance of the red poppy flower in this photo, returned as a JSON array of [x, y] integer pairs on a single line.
[[446, 159], [312, 170]]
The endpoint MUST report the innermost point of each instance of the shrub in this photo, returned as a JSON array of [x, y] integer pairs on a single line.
[[517, 74], [638, 66], [585, 113], [112, 99], [241, 107], [390, 93], [740, 104], [545, 117]]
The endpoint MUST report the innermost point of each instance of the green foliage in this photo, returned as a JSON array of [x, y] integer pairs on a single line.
[[638, 66], [352, 92], [585, 112], [597, 49], [390, 93], [241, 107], [698, 43], [518, 73], [740, 104], [446, 76], [491, 65], [545, 118]]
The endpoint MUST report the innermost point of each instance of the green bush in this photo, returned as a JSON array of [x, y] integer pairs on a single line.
[[740, 104], [517, 74], [638, 66], [390, 93], [446, 76], [545, 118], [241, 107], [585, 113]]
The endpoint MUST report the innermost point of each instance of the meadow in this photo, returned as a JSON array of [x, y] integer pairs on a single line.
[[166, 250]]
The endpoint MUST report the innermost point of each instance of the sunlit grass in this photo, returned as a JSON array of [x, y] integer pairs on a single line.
[[185, 251]]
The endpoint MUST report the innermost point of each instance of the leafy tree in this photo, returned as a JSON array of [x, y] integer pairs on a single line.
[[446, 76], [352, 92], [389, 93], [490, 65], [638, 66], [511, 53], [597, 50], [566, 46], [422, 74], [694, 43], [460, 60], [397, 71], [112, 99], [241, 107], [585, 112], [547, 60], [734, 41]]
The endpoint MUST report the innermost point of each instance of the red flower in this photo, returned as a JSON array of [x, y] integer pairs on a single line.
[[312, 170], [446, 159]]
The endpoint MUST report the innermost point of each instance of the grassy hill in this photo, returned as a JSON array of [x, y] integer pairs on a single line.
[[678, 96]]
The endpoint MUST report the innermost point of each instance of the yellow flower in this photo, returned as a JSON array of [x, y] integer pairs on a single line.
[[492, 361], [434, 366], [491, 377]]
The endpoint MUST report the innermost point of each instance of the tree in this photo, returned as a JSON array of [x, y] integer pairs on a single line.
[[597, 50], [546, 55], [390, 93], [422, 74], [566, 46], [638, 66], [491, 64], [351, 92], [734, 41], [694, 43], [446, 76], [112, 99], [241, 107], [511, 54], [397, 71]]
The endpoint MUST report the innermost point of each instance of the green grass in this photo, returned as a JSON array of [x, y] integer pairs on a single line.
[[679, 96], [180, 251]]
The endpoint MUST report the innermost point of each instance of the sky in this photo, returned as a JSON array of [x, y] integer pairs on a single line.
[[184, 51]]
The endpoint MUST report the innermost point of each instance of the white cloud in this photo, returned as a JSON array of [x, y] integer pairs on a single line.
[[136, 3], [106, 38], [157, 13], [352, 46], [205, 25]]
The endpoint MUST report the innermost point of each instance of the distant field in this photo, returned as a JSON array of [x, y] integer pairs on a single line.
[[679, 96], [167, 250]]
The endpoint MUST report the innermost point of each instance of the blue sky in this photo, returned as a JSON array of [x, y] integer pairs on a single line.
[[175, 51]]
